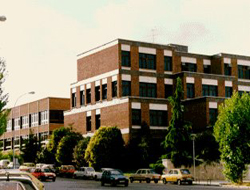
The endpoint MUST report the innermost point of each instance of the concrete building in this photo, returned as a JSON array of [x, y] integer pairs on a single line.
[[123, 83], [40, 118]]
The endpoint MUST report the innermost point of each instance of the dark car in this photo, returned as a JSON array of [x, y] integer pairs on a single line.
[[113, 177]]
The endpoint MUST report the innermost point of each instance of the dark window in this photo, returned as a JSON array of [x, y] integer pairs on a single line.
[[126, 58], [148, 90], [190, 90], [188, 67], [82, 98], [88, 94], [158, 118], [97, 93], [136, 117], [126, 88], [56, 116], [114, 88], [88, 123], [207, 68], [147, 61], [212, 116], [243, 72], [228, 92], [227, 69], [209, 90], [168, 90], [104, 91], [73, 99], [97, 121], [167, 63]]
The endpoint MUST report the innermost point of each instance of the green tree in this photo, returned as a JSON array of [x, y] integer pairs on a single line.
[[178, 142], [45, 156], [64, 153], [232, 131], [3, 99], [105, 148], [79, 152], [31, 149]]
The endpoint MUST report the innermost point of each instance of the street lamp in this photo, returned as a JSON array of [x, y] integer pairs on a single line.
[[193, 138], [2, 18], [32, 92]]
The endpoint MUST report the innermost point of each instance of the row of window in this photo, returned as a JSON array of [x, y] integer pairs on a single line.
[[97, 122], [148, 61], [35, 119]]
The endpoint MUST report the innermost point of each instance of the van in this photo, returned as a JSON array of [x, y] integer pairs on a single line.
[[4, 163]]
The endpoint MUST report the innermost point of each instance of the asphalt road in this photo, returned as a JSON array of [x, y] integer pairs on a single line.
[[77, 184]]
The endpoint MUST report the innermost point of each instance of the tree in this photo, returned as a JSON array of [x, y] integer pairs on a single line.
[[31, 149], [64, 153], [3, 99], [232, 131], [45, 156], [79, 152], [105, 148], [178, 142]]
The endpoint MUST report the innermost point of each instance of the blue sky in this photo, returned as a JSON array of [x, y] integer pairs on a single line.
[[40, 39]]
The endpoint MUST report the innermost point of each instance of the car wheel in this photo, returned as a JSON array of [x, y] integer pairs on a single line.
[[164, 181], [148, 180], [190, 183], [102, 183], [131, 180], [113, 184], [179, 182], [74, 176], [54, 179], [126, 183], [156, 181]]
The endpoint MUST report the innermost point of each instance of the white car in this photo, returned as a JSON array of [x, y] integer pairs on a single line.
[[84, 172], [98, 174]]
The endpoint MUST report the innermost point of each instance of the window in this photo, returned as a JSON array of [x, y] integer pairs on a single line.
[[148, 90], [82, 98], [44, 117], [243, 72], [25, 122], [17, 141], [158, 118], [17, 123], [97, 121], [228, 92], [168, 90], [34, 119], [114, 88], [147, 61], [188, 67], [44, 136], [207, 68], [136, 117], [88, 123], [190, 90], [56, 116], [8, 143], [209, 90], [212, 116], [104, 91], [88, 95], [73, 96], [227, 69], [126, 88], [126, 58], [167, 63], [9, 125], [97, 93]]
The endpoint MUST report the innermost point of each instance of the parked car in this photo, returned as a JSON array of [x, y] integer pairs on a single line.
[[178, 176], [37, 172], [39, 165], [85, 173], [49, 174], [98, 174], [147, 175], [10, 165], [113, 177], [28, 180], [50, 166], [12, 185], [4, 163], [66, 171], [26, 166]]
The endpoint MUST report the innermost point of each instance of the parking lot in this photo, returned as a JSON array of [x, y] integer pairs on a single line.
[[76, 184]]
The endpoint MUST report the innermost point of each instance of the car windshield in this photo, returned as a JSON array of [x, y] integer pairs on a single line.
[[90, 169], [185, 171], [46, 170], [115, 172]]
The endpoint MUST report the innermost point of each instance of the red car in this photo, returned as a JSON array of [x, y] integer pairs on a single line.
[[66, 171], [37, 172]]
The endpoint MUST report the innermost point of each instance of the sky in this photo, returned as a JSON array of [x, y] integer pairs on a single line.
[[40, 40]]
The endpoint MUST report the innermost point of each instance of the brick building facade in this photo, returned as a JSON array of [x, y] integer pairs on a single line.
[[124, 83], [40, 118]]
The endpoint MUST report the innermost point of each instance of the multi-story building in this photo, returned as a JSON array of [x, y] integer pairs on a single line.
[[40, 118], [123, 83]]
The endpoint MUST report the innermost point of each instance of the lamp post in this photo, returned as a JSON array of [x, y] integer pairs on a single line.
[[193, 138], [2, 18], [32, 92]]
